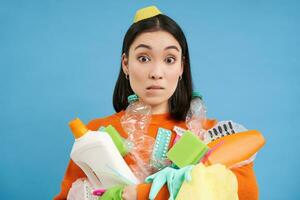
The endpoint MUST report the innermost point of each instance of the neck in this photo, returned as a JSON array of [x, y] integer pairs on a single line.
[[160, 108]]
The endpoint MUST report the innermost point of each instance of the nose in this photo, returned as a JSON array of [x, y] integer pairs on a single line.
[[156, 72]]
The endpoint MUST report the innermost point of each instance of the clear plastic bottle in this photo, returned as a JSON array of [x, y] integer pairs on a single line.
[[135, 122], [196, 115]]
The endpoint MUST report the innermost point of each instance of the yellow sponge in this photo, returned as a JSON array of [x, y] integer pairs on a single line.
[[214, 182]]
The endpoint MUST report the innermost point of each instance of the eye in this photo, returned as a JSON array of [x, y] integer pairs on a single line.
[[143, 59], [170, 60]]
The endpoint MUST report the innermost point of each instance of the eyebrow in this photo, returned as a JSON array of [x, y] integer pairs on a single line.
[[148, 47]]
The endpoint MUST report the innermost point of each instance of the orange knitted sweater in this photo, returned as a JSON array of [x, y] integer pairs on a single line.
[[247, 185]]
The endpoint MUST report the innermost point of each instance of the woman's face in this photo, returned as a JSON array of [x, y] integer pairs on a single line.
[[154, 66]]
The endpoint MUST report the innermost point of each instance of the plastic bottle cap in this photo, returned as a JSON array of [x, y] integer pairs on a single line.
[[78, 128], [197, 94], [132, 98]]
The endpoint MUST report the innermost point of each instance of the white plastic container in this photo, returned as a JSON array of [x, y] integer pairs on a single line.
[[96, 154]]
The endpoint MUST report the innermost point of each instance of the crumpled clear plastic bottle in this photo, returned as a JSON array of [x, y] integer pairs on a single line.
[[196, 115], [135, 122]]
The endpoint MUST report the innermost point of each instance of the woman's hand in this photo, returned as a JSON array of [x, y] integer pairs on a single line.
[[130, 192]]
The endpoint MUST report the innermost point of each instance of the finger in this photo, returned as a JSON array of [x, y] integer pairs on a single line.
[[157, 184], [187, 174], [163, 172], [170, 182], [149, 179]]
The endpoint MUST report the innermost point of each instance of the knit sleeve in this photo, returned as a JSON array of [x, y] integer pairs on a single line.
[[247, 184], [72, 174], [143, 191]]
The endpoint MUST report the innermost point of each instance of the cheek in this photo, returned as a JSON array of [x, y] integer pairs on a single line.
[[172, 85], [172, 79], [137, 77]]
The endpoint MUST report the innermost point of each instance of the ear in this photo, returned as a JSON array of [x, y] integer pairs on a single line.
[[125, 64], [182, 65]]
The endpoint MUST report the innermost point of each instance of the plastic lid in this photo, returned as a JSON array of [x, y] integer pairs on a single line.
[[197, 94], [132, 98], [78, 128]]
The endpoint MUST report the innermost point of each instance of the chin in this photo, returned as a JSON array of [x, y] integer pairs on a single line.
[[154, 100]]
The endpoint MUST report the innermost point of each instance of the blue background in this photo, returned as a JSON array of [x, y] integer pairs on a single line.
[[60, 59]]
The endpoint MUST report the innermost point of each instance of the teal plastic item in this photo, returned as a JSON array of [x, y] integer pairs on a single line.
[[161, 146], [102, 128], [114, 193], [118, 140], [132, 98], [197, 94], [188, 150], [173, 177]]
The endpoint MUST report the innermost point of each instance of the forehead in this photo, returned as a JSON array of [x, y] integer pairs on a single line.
[[157, 40]]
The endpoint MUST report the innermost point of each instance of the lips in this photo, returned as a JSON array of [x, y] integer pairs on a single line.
[[154, 87]]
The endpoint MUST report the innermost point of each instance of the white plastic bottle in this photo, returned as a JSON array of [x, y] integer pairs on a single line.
[[196, 115], [96, 154]]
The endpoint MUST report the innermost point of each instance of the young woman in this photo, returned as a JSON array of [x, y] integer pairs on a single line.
[[155, 65]]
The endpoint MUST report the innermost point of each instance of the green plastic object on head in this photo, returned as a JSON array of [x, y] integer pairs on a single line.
[[188, 150], [132, 98], [117, 139]]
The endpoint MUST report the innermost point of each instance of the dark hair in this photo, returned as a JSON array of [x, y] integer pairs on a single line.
[[179, 102]]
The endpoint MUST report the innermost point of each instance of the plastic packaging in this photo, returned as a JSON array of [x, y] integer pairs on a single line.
[[81, 189], [221, 129], [223, 135], [135, 122], [96, 154], [159, 158], [236, 149], [179, 132], [196, 115]]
